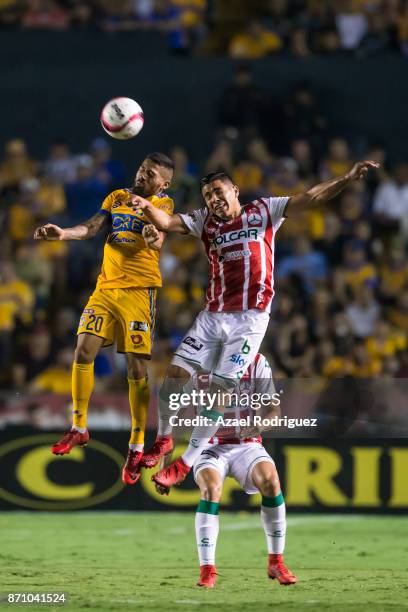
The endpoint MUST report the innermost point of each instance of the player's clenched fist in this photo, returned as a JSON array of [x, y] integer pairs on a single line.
[[150, 234], [49, 232]]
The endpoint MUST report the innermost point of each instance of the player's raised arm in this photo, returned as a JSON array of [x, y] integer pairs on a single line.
[[329, 189], [83, 231], [160, 219]]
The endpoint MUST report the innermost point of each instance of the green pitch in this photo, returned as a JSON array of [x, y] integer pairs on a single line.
[[147, 561]]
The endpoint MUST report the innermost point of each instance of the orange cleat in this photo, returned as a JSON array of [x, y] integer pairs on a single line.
[[131, 469], [70, 439], [208, 576], [174, 474], [163, 446], [277, 569]]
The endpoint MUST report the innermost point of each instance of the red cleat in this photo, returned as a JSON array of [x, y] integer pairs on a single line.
[[277, 569], [208, 576], [174, 474], [163, 445], [70, 439], [131, 469]]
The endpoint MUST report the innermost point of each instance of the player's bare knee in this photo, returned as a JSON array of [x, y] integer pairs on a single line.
[[266, 479], [175, 371], [136, 368], [211, 491], [84, 353]]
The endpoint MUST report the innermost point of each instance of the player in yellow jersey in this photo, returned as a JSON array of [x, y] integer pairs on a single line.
[[122, 307]]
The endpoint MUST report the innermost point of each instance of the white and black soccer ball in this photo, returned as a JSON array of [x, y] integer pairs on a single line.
[[122, 118]]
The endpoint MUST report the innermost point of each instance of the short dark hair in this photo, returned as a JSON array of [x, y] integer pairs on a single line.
[[161, 160], [215, 176]]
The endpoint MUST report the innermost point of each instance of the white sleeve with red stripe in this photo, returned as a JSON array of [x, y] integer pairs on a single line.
[[276, 207], [194, 221]]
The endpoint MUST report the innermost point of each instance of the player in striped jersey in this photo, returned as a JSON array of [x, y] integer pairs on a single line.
[[227, 334], [239, 453]]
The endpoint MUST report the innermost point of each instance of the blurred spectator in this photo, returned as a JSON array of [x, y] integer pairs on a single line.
[[362, 314], [86, 193], [57, 377], [391, 199], [60, 167], [351, 24], [310, 265], [221, 158], [107, 170], [393, 273], [338, 160], [303, 118], [34, 356], [244, 105], [255, 42], [16, 165], [45, 15], [355, 272], [184, 187]]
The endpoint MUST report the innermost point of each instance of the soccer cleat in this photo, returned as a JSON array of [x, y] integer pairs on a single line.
[[174, 474], [70, 439], [131, 469], [208, 576], [277, 569], [163, 445]]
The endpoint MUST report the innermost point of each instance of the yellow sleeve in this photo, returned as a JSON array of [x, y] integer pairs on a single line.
[[108, 202], [167, 205]]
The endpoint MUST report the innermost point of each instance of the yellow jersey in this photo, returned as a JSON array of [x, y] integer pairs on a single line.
[[127, 262]]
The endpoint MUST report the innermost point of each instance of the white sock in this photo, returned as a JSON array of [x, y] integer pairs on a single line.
[[164, 428], [80, 429], [136, 447], [207, 528], [200, 437], [273, 517]]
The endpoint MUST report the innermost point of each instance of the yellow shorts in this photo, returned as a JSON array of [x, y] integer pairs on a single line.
[[126, 316]]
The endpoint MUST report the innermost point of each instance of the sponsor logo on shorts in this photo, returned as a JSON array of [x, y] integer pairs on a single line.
[[88, 311], [136, 339], [138, 326], [195, 344], [238, 359]]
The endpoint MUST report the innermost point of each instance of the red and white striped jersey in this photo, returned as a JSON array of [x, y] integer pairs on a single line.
[[240, 253]]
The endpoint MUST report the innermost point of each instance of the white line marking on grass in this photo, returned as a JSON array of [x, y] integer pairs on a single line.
[[292, 522], [124, 532], [188, 602], [176, 530]]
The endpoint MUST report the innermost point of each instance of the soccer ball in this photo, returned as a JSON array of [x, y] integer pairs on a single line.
[[122, 118]]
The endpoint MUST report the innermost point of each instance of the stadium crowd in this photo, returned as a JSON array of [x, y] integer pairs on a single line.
[[341, 278], [238, 28]]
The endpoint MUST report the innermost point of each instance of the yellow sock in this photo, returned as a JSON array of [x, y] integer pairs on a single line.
[[139, 397], [82, 387]]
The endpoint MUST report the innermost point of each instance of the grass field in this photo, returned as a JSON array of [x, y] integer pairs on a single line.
[[148, 561]]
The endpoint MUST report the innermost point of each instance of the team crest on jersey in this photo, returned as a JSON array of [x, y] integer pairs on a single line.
[[254, 218]]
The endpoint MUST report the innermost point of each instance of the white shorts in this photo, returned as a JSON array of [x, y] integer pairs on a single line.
[[224, 343], [234, 460]]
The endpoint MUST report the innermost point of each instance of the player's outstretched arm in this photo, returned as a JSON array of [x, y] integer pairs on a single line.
[[327, 190], [159, 218], [83, 231]]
